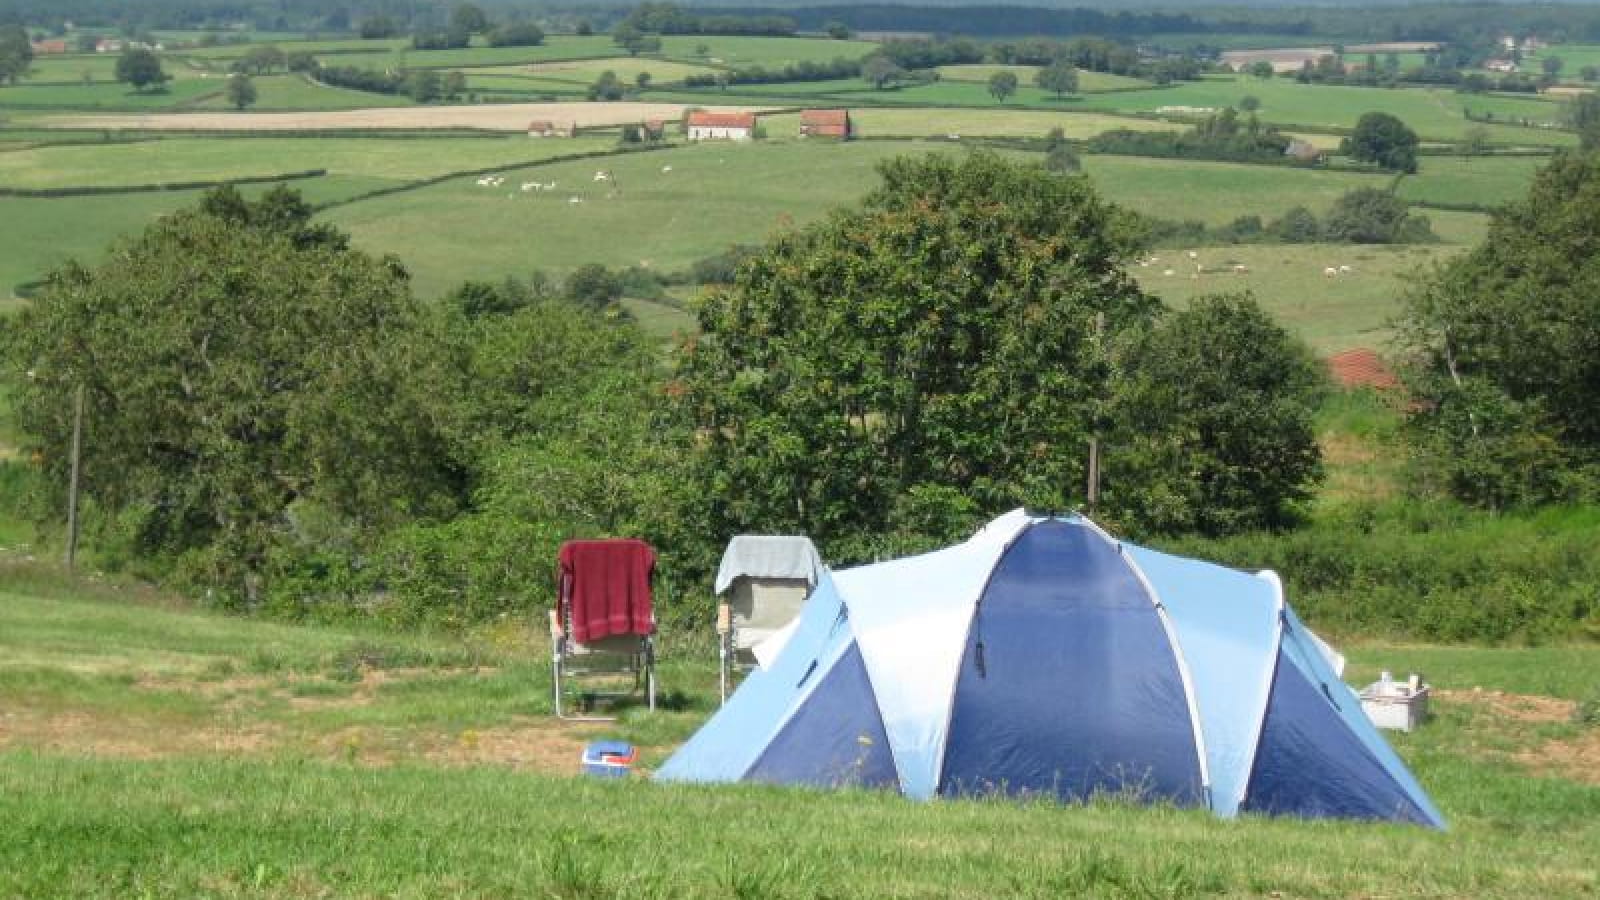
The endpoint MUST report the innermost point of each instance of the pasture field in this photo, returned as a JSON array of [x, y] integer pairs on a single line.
[[149, 749], [1217, 193], [1332, 314], [1489, 181], [1088, 82], [300, 92], [215, 159], [1572, 56], [69, 68], [510, 117], [107, 95], [737, 52], [714, 196], [661, 71], [966, 122], [1433, 114], [39, 233]]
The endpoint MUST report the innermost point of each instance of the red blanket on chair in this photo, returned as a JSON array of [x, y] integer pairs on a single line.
[[606, 587]]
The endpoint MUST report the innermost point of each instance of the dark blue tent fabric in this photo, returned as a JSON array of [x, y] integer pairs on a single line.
[[1310, 764], [836, 739], [1069, 685]]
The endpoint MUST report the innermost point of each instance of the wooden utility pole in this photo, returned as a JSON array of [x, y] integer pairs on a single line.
[[1094, 426], [72, 483]]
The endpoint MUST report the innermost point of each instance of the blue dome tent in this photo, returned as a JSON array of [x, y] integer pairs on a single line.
[[1042, 656]]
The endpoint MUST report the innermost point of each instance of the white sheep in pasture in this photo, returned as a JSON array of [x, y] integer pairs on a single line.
[[666, 168], [574, 199], [1330, 272], [1343, 269], [1241, 268], [1169, 272]]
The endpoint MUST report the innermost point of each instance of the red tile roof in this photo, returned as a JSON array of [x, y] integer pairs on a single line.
[[1361, 367], [722, 120], [835, 117]]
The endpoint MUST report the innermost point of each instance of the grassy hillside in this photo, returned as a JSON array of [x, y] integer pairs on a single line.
[[149, 750]]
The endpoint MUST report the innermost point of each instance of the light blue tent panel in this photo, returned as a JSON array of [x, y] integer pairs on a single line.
[[729, 745], [1226, 623]]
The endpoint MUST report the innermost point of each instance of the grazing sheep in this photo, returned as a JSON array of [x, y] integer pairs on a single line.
[[666, 168], [1344, 269], [1330, 272], [1241, 268], [1193, 255], [602, 176], [574, 199], [1169, 272]]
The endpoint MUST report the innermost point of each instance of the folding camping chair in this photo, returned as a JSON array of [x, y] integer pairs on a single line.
[[603, 627], [763, 580]]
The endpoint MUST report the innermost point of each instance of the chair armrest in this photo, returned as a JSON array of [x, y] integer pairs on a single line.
[[556, 631], [724, 618]]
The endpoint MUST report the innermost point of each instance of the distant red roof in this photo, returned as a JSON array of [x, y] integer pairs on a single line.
[[722, 120], [1361, 367], [824, 117]]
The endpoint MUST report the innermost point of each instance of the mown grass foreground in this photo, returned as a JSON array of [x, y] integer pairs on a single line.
[[150, 750]]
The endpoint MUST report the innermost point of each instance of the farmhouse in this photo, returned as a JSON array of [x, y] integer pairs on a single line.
[[1500, 65], [49, 47], [831, 123], [710, 126], [1305, 151], [542, 128], [107, 45]]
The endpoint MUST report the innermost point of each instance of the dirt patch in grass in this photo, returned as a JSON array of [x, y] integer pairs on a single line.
[[549, 747], [101, 735], [1514, 722], [1524, 708]]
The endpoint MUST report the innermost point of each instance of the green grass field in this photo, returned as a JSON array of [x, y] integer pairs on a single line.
[[297, 92], [1459, 180], [206, 158], [149, 750], [106, 95], [1332, 314], [1217, 193], [1088, 82], [964, 122], [715, 195]]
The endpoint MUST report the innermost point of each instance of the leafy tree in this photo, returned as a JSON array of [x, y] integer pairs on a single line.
[[1262, 70], [141, 68], [585, 28], [1384, 140], [469, 18], [642, 80], [593, 286], [913, 363], [1002, 85], [244, 371], [837, 30], [880, 71], [1213, 421], [241, 91], [1582, 115], [16, 53], [441, 39], [1373, 216], [1589, 73], [1062, 160], [260, 60], [455, 84], [520, 34], [1297, 225], [378, 27], [607, 87], [1551, 65], [1249, 103], [1504, 340], [1059, 78], [300, 61], [423, 85]]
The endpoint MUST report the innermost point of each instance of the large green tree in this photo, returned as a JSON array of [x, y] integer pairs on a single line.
[[1503, 342], [1212, 421], [245, 372], [141, 68], [915, 363], [1384, 140], [16, 53], [1060, 78]]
